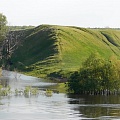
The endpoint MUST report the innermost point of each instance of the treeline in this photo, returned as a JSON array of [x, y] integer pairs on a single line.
[[96, 76], [3, 27], [12, 28]]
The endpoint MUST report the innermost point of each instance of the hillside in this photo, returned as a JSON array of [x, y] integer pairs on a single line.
[[52, 50]]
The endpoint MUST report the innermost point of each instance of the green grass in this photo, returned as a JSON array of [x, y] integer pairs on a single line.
[[49, 49], [61, 87]]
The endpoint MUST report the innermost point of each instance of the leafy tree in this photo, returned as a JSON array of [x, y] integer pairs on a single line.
[[3, 31], [73, 83], [96, 75], [89, 76], [115, 72], [3, 27], [91, 72], [93, 61]]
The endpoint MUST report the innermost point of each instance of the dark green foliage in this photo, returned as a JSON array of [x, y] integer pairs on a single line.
[[74, 83], [96, 74], [3, 28]]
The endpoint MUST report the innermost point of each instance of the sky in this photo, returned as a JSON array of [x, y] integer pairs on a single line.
[[82, 13]]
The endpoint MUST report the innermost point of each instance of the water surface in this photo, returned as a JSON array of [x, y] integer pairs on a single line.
[[58, 106]]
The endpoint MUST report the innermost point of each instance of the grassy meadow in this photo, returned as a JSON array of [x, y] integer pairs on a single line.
[[54, 51]]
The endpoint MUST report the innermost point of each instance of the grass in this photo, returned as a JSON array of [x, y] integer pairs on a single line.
[[49, 49], [61, 87]]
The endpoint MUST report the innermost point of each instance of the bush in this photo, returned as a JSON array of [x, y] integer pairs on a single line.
[[95, 75]]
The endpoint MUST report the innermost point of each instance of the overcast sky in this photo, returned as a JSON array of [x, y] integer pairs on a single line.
[[83, 13]]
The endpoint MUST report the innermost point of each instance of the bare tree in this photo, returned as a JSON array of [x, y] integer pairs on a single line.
[[10, 44]]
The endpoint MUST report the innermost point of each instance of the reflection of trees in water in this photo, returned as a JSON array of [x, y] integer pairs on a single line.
[[93, 112], [16, 75], [10, 79], [96, 106], [4, 82]]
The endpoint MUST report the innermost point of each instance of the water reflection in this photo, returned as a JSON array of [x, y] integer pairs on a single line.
[[59, 107], [56, 107], [16, 80], [96, 106]]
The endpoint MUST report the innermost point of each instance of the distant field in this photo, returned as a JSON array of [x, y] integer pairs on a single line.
[[20, 27], [53, 51]]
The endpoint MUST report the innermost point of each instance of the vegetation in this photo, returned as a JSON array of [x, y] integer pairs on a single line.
[[55, 51], [5, 91], [48, 92], [97, 76], [3, 27], [14, 28], [29, 90], [59, 88]]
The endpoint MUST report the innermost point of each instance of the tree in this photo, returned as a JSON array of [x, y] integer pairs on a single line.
[[3, 27], [96, 75], [73, 83], [88, 78], [91, 72], [115, 72], [9, 41], [3, 32]]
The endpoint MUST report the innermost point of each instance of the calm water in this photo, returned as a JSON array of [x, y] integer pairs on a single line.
[[56, 107]]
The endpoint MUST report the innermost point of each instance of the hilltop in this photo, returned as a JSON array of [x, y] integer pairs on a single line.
[[50, 50]]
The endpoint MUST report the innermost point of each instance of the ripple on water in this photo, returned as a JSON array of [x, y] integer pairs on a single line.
[[57, 107], [41, 107]]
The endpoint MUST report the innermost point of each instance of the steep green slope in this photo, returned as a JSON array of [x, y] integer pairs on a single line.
[[49, 50]]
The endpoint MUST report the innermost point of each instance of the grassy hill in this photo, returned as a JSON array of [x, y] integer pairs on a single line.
[[49, 50]]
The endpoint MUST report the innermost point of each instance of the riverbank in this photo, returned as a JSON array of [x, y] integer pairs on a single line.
[[61, 87]]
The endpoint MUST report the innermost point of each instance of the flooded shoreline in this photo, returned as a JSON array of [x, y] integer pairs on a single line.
[[56, 107]]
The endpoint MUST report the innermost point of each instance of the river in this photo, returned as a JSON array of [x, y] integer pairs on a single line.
[[58, 106]]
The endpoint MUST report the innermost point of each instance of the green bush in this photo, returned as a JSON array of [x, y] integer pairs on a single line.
[[95, 75]]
